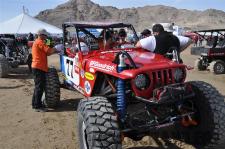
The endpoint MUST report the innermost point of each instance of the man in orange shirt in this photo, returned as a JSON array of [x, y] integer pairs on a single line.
[[40, 51]]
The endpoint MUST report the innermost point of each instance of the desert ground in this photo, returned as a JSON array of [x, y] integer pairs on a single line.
[[23, 128]]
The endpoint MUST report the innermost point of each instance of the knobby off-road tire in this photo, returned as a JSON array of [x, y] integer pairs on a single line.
[[210, 106], [52, 89], [217, 67], [199, 66], [97, 124], [4, 66]]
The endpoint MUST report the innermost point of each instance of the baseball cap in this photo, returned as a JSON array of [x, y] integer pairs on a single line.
[[42, 31]]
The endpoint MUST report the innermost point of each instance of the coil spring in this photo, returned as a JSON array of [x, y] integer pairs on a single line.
[[121, 103]]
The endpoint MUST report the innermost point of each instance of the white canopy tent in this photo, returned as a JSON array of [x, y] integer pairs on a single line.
[[24, 24]]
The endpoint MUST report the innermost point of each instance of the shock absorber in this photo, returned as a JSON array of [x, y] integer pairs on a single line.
[[121, 102]]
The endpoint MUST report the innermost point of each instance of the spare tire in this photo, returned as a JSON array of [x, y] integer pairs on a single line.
[[52, 89], [4, 66]]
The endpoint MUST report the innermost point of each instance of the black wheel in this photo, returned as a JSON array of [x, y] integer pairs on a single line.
[[199, 66], [4, 66], [97, 124], [52, 89], [209, 131], [217, 67]]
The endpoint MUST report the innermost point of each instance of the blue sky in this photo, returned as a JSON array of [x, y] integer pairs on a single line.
[[12, 8]]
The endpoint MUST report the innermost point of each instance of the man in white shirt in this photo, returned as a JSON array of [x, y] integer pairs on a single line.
[[162, 41]]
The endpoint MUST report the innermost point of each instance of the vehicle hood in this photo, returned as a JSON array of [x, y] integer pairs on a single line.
[[144, 60]]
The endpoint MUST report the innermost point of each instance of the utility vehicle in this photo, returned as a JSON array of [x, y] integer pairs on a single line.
[[212, 54]]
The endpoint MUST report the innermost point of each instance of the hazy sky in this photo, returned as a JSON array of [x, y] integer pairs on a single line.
[[12, 8]]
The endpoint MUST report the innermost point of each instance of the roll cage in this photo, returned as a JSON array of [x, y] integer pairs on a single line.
[[88, 27]]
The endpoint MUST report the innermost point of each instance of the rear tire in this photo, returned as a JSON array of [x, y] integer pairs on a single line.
[[210, 116], [217, 67], [4, 66], [52, 89], [199, 66], [97, 124]]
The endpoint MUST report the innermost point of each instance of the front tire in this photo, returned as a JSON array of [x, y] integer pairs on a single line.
[[199, 66], [97, 124], [210, 116], [52, 89], [217, 67]]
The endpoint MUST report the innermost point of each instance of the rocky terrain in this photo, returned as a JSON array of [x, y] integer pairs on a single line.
[[140, 17]]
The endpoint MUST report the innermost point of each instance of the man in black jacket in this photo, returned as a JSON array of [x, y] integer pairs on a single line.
[[162, 41]]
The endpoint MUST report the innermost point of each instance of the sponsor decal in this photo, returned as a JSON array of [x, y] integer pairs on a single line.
[[82, 73], [92, 70], [217, 54], [89, 76], [98, 65], [87, 87]]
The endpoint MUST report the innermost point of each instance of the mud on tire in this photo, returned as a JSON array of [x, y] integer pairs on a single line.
[[97, 124], [210, 131], [52, 89], [4, 66]]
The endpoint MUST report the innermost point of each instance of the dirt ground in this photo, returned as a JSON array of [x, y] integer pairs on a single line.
[[22, 128]]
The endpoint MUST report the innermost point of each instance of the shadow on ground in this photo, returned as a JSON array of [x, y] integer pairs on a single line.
[[11, 87], [21, 72], [67, 105], [166, 145]]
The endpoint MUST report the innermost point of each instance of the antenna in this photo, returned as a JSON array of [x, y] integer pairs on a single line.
[[25, 10]]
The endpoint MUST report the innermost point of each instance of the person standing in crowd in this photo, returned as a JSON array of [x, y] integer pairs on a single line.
[[40, 51], [195, 38], [30, 37], [200, 40], [162, 41], [145, 33]]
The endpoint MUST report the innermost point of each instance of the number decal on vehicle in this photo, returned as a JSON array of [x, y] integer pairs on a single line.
[[69, 66], [71, 70]]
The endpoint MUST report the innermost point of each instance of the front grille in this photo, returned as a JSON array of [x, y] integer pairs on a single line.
[[161, 77]]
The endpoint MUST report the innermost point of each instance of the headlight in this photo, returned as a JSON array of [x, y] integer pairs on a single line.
[[142, 81], [178, 75]]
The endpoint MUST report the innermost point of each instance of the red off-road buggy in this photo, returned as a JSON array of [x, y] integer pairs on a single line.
[[133, 92]]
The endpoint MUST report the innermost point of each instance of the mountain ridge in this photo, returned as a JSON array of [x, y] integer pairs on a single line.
[[140, 17]]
